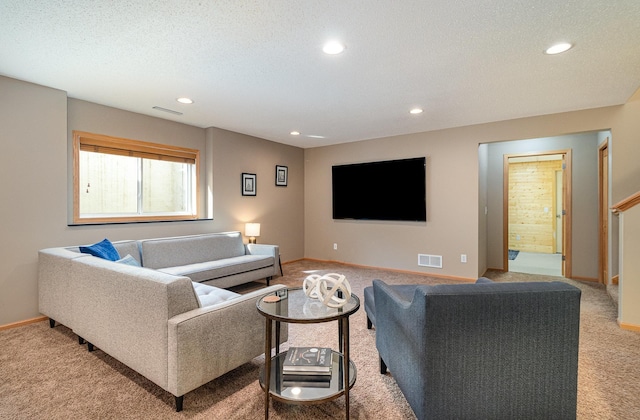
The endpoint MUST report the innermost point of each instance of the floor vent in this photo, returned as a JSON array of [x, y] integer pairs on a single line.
[[434, 261]]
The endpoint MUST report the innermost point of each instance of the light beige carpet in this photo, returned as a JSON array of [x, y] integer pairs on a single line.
[[46, 374]]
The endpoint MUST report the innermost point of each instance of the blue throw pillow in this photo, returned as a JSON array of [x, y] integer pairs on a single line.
[[103, 249]]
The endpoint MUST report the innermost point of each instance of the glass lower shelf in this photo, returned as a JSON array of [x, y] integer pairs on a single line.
[[307, 394]]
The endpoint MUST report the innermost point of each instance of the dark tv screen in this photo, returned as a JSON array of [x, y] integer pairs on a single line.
[[387, 190]]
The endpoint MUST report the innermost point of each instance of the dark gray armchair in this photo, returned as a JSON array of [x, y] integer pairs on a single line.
[[480, 351]]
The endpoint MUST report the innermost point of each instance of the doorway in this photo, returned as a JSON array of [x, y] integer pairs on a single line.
[[537, 213]]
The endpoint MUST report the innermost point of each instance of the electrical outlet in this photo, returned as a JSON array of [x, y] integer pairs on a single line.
[[463, 258], [335, 246]]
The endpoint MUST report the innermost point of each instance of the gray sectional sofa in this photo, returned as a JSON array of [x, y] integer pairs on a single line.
[[157, 310], [217, 259]]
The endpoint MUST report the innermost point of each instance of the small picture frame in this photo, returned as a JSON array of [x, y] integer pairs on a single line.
[[282, 176], [249, 186]]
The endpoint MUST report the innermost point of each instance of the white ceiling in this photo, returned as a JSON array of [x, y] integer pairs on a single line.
[[256, 67]]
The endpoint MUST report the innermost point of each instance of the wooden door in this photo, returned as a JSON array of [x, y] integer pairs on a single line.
[[559, 208], [603, 213], [564, 230]]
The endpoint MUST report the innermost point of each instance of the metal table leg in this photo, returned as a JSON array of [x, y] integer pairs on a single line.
[[345, 362], [267, 366]]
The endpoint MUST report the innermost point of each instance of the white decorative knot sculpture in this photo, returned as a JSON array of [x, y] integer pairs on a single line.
[[325, 289]]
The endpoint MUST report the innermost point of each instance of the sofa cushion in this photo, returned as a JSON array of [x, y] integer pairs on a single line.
[[176, 251], [129, 260], [103, 249], [404, 291], [128, 247], [209, 295], [220, 268]]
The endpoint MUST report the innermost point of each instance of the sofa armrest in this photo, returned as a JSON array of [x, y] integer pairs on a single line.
[[397, 295], [399, 320], [265, 249], [208, 342], [55, 291]]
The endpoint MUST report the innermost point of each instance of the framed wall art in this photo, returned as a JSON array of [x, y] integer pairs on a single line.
[[282, 176], [249, 186]]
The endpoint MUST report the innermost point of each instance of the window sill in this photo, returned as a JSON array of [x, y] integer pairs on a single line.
[[134, 222]]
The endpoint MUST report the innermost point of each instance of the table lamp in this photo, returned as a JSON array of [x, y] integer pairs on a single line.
[[252, 230]]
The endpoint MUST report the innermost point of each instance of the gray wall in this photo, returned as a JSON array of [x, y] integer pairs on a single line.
[[99, 119], [451, 228], [278, 209], [625, 181], [33, 187], [35, 127], [461, 181]]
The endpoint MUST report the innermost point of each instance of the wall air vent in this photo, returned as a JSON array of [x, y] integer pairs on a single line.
[[434, 261], [170, 111]]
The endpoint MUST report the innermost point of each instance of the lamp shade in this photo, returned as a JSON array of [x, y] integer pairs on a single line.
[[252, 229]]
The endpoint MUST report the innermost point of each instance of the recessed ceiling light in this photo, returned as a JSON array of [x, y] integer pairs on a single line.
[[313, 136], [184, 100], [333, 47], [416, 111], [295, 133], [558, 48]]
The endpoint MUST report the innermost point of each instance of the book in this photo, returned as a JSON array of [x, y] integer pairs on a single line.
[[310, 384], [326, 372], [308, 360], [307, 377]]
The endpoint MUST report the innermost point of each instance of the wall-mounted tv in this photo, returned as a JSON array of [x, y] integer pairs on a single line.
[[386, 190]]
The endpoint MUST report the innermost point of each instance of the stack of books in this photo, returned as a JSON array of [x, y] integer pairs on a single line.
[[307, 367]]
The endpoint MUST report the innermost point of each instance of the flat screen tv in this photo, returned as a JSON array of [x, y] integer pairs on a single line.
[[386, 190]]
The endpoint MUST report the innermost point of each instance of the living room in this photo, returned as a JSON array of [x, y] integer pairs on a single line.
[[36, 125], [297, 217]]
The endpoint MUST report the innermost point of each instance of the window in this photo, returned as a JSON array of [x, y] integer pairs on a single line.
[[119, 180]]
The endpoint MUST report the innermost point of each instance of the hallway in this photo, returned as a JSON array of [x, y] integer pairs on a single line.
[[537, 263]]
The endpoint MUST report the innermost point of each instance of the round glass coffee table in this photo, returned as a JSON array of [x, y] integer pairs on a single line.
[[293, 306]]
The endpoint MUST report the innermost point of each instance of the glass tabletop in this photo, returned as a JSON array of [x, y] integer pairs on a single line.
[[295, 306]]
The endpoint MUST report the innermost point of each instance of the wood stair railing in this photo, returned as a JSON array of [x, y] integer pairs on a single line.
[[627, 203]]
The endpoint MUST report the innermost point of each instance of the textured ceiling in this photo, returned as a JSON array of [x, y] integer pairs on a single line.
[[257, 67]]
